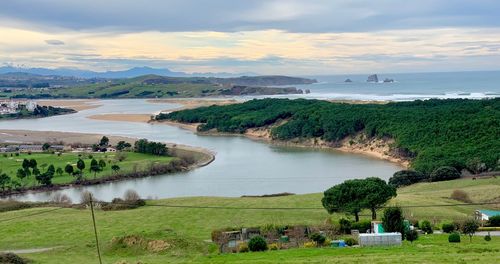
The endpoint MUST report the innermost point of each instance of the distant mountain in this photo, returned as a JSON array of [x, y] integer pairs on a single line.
[[130, 73]]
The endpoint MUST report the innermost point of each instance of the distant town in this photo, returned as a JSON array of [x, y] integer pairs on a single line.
[[16, 106]]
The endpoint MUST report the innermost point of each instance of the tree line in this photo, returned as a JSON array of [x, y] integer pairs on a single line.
[[433, 133]]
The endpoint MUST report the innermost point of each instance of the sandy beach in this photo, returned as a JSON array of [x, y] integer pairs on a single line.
[[143, 118], [78, 105]]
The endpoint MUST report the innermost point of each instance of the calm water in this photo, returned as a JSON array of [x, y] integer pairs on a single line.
[[242, 166]]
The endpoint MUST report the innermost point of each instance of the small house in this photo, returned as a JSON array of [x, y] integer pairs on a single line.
[[484, 215]]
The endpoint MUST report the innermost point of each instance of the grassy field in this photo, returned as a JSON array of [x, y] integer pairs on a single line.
[[187, 229], [10, 165]]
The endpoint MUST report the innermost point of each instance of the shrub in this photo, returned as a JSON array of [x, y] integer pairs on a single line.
[[406, 177], [454, 238], [310, 244], [448, 227], [362, 226], [131, 195], [243, 247], [274, 246], [487, 238], [392, 220], [257, 243], [426, 227], [318, 238], [411, 235], [461, 196], [85, 197], [61, 198], [11, 258], [470, 227], [445, 173], [494, 220], [350, 241], [345, 226]]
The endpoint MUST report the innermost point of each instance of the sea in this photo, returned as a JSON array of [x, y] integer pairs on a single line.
[[406, 86]]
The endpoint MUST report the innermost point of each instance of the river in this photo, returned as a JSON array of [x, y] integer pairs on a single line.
[[242, 166]]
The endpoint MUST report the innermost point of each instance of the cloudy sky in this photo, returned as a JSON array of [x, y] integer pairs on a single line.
[[268, 37]]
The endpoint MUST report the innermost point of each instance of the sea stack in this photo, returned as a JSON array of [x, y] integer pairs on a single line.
[[348, 80], [387, 80], [372, 78]]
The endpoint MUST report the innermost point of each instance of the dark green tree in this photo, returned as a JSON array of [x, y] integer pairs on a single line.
[[123, 145], [104, 141], [80, 164], [445, 173], [94, 167], [69, 169], [345, 197], [376, 193], [59, 171], [406, 177], [33, 163], [392, 221], [102, 164], [115, 168], [45, 146], [4, 180]]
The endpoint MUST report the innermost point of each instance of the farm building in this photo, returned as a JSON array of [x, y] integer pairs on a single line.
[[484, 215]]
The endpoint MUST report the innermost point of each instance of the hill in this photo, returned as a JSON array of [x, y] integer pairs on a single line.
[[186, 229], [433, 133], [153, 86]]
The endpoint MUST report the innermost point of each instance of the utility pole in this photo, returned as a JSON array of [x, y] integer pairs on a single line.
[[95, 228]]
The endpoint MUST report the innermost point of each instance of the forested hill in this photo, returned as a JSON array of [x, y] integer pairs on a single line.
[[456, 132]]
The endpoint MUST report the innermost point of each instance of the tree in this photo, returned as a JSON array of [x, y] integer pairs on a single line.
[[69, 169], [345, 197], [33, 163], [4, 180], [26, 164], [411, 235], [406, 177], [470, 227], [36, 171], [494, 221], [376, 193], [104, 141], [21, 174], [102, 164], [80, 164], [392, 221], [445, 173], [51, 169], [115, 168], [59, 171], [94, 167], [45, 146], [123, 145]]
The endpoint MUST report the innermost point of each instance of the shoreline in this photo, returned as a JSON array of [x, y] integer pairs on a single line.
[[202, 157], [263, 134]]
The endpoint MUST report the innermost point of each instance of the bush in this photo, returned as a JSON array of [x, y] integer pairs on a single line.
[[274, 246], [60, 198], [131, 195], [392, 220], [411, 235], [351, 241], [448, 227], [85, 197], [11, 258], [362, 226], [445, 173], [345, 226], [461, 196], [454, 238], [426, 227], [243, 247], [257, 243], [487, 238], [318, 238], [310, 244], [406, 177], [494, 220]]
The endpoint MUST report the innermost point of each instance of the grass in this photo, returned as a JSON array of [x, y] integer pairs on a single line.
[[187, 229], [10, 165]]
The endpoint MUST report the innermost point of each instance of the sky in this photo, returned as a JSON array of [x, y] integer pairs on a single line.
[[309, 37]]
